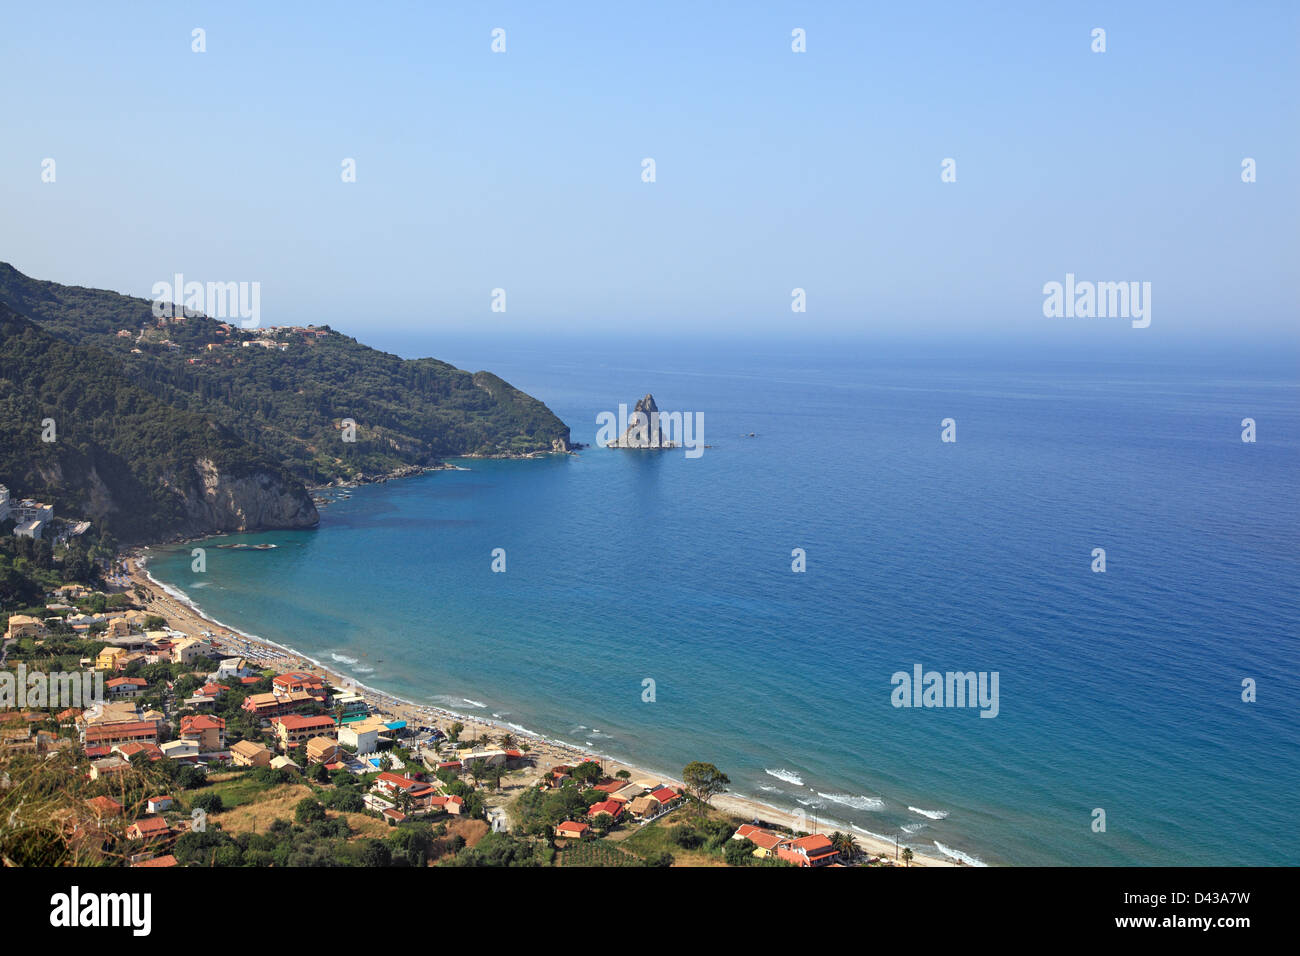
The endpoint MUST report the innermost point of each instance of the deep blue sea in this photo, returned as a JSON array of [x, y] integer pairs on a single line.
[[1119, 690]]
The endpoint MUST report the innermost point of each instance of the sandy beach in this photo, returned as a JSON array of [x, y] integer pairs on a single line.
[[545, 753]]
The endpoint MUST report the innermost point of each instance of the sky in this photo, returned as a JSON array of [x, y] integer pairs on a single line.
[[774, 170]]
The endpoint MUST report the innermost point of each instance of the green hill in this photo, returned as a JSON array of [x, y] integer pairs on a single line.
[[190, 425], [290, 400]]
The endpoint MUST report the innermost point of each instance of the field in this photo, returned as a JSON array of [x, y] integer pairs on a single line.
[[595, 853], [235, 790]]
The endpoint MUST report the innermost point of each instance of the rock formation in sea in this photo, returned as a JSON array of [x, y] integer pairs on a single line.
[[643, 428]]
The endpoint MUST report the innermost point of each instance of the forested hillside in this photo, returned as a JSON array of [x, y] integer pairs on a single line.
[[287, 391]]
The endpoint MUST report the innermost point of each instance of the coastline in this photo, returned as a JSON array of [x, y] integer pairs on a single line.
[[184, 614]]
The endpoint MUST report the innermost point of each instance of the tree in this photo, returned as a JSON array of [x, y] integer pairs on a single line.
[[507, 741], [907, 856], [207, 802], [307, 811], [738, 852], [624, 775], [704, 781], [845, 844], [453, 732]]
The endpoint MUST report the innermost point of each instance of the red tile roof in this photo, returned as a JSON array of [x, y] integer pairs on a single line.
[[612, 807], [150, 826], [201, 722]]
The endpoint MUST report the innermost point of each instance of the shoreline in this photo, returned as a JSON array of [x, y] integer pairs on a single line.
[[184, 614]]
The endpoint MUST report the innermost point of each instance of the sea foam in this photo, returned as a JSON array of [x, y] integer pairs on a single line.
[[857, 803], [932, 814], [788, 776]]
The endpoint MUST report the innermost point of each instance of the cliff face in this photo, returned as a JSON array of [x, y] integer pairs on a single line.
[[258, 501], [138, 468]]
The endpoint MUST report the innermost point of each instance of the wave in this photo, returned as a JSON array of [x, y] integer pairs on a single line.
[[809, 802], [932, 814], [767, 789], [363, 670], [344, 659], [857, 803], [872, 833], [910, 828], [789, 776], [958, 855], [473, 703]]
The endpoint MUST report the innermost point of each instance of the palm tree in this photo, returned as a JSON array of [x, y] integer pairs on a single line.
[[907, 856], [845, 844], [507, 741]]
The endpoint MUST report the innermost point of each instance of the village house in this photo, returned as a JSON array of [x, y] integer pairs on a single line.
[[231, 667], [392, 784], [350, 704], [765, 841], [295, 729], [104, 807], [267, 706], [108, 658], [363, 735], [815, 850], [644, 807], [158, 804], [613, 807], [206, 731], [180, 749], [121, 732], [23, 625], [149, 830], [148, 751], [298, 682], [449, 804], [189, 650], [323, 750], [569, 830], [248, 753], [108, 767], [126, 688]]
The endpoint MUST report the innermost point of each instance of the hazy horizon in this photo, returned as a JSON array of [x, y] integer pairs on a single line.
[[775, 170]]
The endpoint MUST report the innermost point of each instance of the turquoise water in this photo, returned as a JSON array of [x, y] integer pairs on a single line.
[[1119, 691]]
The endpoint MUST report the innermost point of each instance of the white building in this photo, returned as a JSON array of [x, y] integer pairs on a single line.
[[180, 749], [362, 734], [4, 502], [29, 515]]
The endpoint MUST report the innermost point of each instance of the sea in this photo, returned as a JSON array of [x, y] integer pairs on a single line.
[[751, 605]]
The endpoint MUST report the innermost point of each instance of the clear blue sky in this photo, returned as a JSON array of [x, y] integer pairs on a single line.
[[775, 170]]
